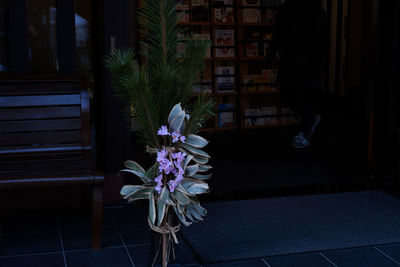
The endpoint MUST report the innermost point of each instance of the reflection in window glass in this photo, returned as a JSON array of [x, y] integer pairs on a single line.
[[83, 40], [42, 36], [3, 37]]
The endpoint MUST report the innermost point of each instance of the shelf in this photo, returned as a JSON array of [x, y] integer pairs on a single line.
[[279, 124], [242, 24], [195, 23], [227, 128], [237, 34], [261, 92], [226, 93], [225, 58], [252, 58]]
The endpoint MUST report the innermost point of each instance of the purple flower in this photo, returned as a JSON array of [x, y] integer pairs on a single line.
[[158, 179], [163, 130], [161, 155], [175, 136], [166, 166], [179, 156], [182, 138], [158, 188], [172, 185]]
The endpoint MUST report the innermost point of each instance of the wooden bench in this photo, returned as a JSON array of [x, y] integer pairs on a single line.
[[45, 138]]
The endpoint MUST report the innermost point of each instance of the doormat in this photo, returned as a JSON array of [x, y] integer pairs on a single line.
[[278, 226]]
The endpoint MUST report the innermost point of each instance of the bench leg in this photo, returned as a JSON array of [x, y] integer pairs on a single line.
[[97, 217]]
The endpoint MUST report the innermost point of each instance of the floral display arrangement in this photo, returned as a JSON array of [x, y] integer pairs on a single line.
[[157, 87]]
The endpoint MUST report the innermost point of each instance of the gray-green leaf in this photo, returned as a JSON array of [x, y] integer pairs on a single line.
[[202, 176], [152, 208], [196, 141], [191, 170], [195, 151], [180, 197], [174, 111], [204, 168], [197, 188], [176, 122]]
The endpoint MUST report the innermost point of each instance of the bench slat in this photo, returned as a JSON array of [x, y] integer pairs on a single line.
[[7, 139], [40, 113], [40, 125], [39, 100], [39, 88]]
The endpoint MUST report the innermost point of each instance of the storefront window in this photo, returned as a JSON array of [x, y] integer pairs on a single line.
[[83, 38], [42, 36], [3, 37]]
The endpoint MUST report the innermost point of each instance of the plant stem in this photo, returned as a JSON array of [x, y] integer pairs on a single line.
[[164, 250]]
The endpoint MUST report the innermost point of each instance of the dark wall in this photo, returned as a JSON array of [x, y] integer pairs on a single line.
[[114, 137], [386, 95]]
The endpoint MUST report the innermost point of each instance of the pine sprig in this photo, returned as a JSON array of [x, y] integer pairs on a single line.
[[201, 111], [162, 80]]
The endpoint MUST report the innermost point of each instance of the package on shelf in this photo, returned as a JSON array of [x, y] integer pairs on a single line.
[[223, 2], [200, 3], [248, 83], [251, 49], [271, 74], [225, 38], [224, 14], [225, 80], [258, 82], [203, 87], [250, 2], [251, 15], [269, 111], [183, 11], [269, 16], [226, 116]]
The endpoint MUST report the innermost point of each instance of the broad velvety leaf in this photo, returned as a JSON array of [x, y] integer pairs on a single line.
[[152, 172], [187, 160], [180, 197], [197, 188], [204, 168], [137, 197], [199, 209], [161, 205], [200, 160], [182, 217], [195, 151], [152, 208], [194, 212], [176, 122], [130, 164], [174, 112], [202, 176], [129, 189], [196, 141], [191, 169], [133, 193], [140, 175]]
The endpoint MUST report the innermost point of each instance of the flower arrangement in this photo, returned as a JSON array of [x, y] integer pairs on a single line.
[[158, 92], [175, 180]]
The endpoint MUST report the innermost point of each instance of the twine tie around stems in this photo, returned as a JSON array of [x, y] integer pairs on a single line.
[[166, 229]]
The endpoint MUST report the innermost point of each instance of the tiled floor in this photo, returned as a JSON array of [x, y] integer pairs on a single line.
[[65, 241]]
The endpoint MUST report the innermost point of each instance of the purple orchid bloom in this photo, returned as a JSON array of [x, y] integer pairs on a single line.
[[175, 136], [163, 130]]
